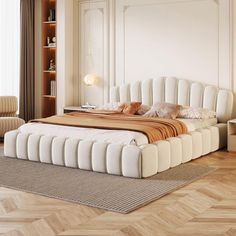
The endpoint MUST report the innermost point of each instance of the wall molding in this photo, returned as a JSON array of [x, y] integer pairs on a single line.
[[122, 7], [84, 7], [115, 23]]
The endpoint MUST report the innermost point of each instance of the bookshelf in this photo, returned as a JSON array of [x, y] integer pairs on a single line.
[[49, 49]]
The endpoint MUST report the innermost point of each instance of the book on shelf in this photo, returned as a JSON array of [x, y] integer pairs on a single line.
[[52, 15], [53, 88]]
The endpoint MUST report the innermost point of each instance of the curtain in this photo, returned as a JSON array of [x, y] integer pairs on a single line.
[[27, 94], [9, 47]]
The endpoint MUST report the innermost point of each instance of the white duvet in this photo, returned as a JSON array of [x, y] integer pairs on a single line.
[[103, 135], [100, 135]]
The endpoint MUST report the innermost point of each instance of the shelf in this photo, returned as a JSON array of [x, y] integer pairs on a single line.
[[49, 96], [49, 22], [54, 47], [49, 25], [232, 121], [49, 71]]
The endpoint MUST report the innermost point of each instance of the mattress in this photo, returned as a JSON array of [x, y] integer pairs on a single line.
[[102, 135]]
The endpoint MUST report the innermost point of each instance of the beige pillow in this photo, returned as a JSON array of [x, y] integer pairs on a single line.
[[143, 109], [125, 107], [196, 113], [163, 110]]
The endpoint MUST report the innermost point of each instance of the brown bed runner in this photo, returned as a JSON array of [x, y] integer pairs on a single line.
[[154, 128]]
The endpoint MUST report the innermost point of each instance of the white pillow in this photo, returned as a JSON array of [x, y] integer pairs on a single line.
[[196, 113], [109, 106]]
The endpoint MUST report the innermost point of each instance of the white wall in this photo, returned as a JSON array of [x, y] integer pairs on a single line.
[[65, 51], [139, 39], [233, 49], [93, 50]]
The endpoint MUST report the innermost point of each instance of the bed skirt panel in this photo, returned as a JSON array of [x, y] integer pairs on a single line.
[[126, 160]]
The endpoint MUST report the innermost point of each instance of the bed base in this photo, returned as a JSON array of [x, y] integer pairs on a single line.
[[125, 160]]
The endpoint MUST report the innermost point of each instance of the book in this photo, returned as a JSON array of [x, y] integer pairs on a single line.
[[52, 14], [53, 88]]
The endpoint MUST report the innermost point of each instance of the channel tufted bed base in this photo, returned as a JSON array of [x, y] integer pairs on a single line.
[[127, 160], [131, 160]]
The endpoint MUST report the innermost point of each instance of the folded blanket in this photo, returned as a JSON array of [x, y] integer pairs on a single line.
[[154, 128]]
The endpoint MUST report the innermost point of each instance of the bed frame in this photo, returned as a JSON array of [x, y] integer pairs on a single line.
[[130, 160]]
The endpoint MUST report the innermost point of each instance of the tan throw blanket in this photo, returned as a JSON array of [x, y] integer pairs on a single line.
[[154, 128]]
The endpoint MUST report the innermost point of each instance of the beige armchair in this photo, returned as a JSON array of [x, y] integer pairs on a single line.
[[8, 118]]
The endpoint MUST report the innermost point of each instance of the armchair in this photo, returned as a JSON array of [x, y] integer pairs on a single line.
[[8, 117]]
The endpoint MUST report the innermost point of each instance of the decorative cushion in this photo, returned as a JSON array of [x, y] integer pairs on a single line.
[[163, 110], [129, 108], [196, 113], [125, 107], [143, 109]]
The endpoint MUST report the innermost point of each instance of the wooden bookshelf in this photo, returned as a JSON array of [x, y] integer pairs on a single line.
[[48, 54]]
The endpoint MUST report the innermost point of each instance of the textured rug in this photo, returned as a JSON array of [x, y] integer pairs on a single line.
[[104, 191]]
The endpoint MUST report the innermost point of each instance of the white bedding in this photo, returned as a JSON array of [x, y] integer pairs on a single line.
[[194, 124], [103, 135], [100, 135]]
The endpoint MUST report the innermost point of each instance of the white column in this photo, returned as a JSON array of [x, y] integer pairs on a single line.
[[64, 54]]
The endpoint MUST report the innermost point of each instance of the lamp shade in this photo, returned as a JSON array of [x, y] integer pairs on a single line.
[[90, 79]]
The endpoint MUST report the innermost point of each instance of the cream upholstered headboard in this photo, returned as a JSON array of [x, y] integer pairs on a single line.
[[177, 91]]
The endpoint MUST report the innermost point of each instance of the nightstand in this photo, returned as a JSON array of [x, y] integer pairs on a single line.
[[231, 126], [75, 108]]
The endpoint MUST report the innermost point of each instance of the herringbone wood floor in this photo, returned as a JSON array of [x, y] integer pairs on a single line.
[[205, 207]]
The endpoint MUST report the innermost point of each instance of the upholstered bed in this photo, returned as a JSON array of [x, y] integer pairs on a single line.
[[128, 153]]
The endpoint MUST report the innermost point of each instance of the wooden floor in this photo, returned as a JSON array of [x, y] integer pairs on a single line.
[[205, 207]]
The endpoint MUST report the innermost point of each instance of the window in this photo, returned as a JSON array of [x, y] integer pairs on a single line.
[[9, 47]]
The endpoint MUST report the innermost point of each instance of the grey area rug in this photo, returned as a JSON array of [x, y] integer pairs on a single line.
[[104, 191]]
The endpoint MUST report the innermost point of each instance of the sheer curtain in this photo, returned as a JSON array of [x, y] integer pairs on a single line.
[[9, 47]]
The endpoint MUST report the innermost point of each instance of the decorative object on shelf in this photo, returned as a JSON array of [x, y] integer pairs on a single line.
[[52, 65], [53, 88], [52, 15], [48, 41], [51, 44], [91, 79]]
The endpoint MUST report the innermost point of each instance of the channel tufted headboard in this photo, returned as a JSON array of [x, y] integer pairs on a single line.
[[177, 91]]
